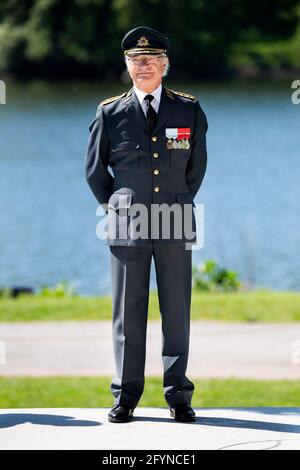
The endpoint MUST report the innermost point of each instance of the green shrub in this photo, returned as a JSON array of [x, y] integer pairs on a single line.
[[62, 289], [208, 276]]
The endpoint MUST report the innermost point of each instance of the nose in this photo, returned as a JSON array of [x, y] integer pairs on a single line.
[[144, 64]]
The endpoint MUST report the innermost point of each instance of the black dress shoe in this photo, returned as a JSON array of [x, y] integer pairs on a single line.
[[183, 412], [120, 414]]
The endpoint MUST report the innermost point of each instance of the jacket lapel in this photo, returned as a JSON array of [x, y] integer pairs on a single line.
[[134, 109], [165, 111]]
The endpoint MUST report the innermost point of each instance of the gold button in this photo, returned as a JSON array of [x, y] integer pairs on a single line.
[[156, 172], [154, 138], [156, 189], [155, 155]]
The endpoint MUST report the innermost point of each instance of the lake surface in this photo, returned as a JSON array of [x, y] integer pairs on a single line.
[[251, 190]]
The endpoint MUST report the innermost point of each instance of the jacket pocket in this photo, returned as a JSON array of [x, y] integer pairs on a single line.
[[178, 158], [125, 155]]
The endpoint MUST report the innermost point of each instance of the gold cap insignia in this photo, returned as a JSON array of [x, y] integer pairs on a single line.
[[143, 41]]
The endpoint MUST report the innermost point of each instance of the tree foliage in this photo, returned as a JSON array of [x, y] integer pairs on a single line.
[[209, 38]]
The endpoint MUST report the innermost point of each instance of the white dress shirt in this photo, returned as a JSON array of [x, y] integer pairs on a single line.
[[155, 102]]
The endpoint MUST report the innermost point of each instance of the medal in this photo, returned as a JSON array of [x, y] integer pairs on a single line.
[[170, 144], [178, 138]]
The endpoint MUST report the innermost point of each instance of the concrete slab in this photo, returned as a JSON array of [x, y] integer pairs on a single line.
[[260, 351], [151, 428]]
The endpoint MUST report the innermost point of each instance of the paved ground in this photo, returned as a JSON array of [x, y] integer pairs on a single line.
[[151, 428], [263, 351]]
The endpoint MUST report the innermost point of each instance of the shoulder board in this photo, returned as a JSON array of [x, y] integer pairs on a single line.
[[128, 95], [113, 98], [185, 95]]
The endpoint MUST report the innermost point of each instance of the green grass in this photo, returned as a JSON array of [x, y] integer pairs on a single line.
[[267, 306], [94, 392]]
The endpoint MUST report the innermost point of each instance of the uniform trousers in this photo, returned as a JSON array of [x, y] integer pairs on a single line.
[[130, 269]]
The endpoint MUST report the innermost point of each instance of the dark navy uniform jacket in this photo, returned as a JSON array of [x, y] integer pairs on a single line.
[[144, 169]]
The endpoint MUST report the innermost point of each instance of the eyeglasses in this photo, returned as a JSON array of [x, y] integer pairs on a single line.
[[144, 61]]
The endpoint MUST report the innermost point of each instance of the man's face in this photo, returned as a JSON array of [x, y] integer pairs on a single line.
[[146, 70]]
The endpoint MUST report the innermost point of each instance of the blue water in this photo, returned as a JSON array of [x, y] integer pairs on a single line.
[[250, 191]]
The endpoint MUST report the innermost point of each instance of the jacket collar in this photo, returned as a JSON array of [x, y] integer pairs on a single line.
[[165, 111], [141, 94]]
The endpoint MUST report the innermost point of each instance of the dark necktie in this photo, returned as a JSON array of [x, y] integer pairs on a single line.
[[151, 115]]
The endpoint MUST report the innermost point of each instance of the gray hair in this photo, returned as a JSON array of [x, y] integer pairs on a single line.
[[167, 66]]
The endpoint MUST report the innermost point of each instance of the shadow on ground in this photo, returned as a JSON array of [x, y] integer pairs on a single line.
[[13, 419]]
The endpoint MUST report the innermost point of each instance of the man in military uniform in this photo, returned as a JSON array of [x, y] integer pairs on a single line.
[[154, 140]]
